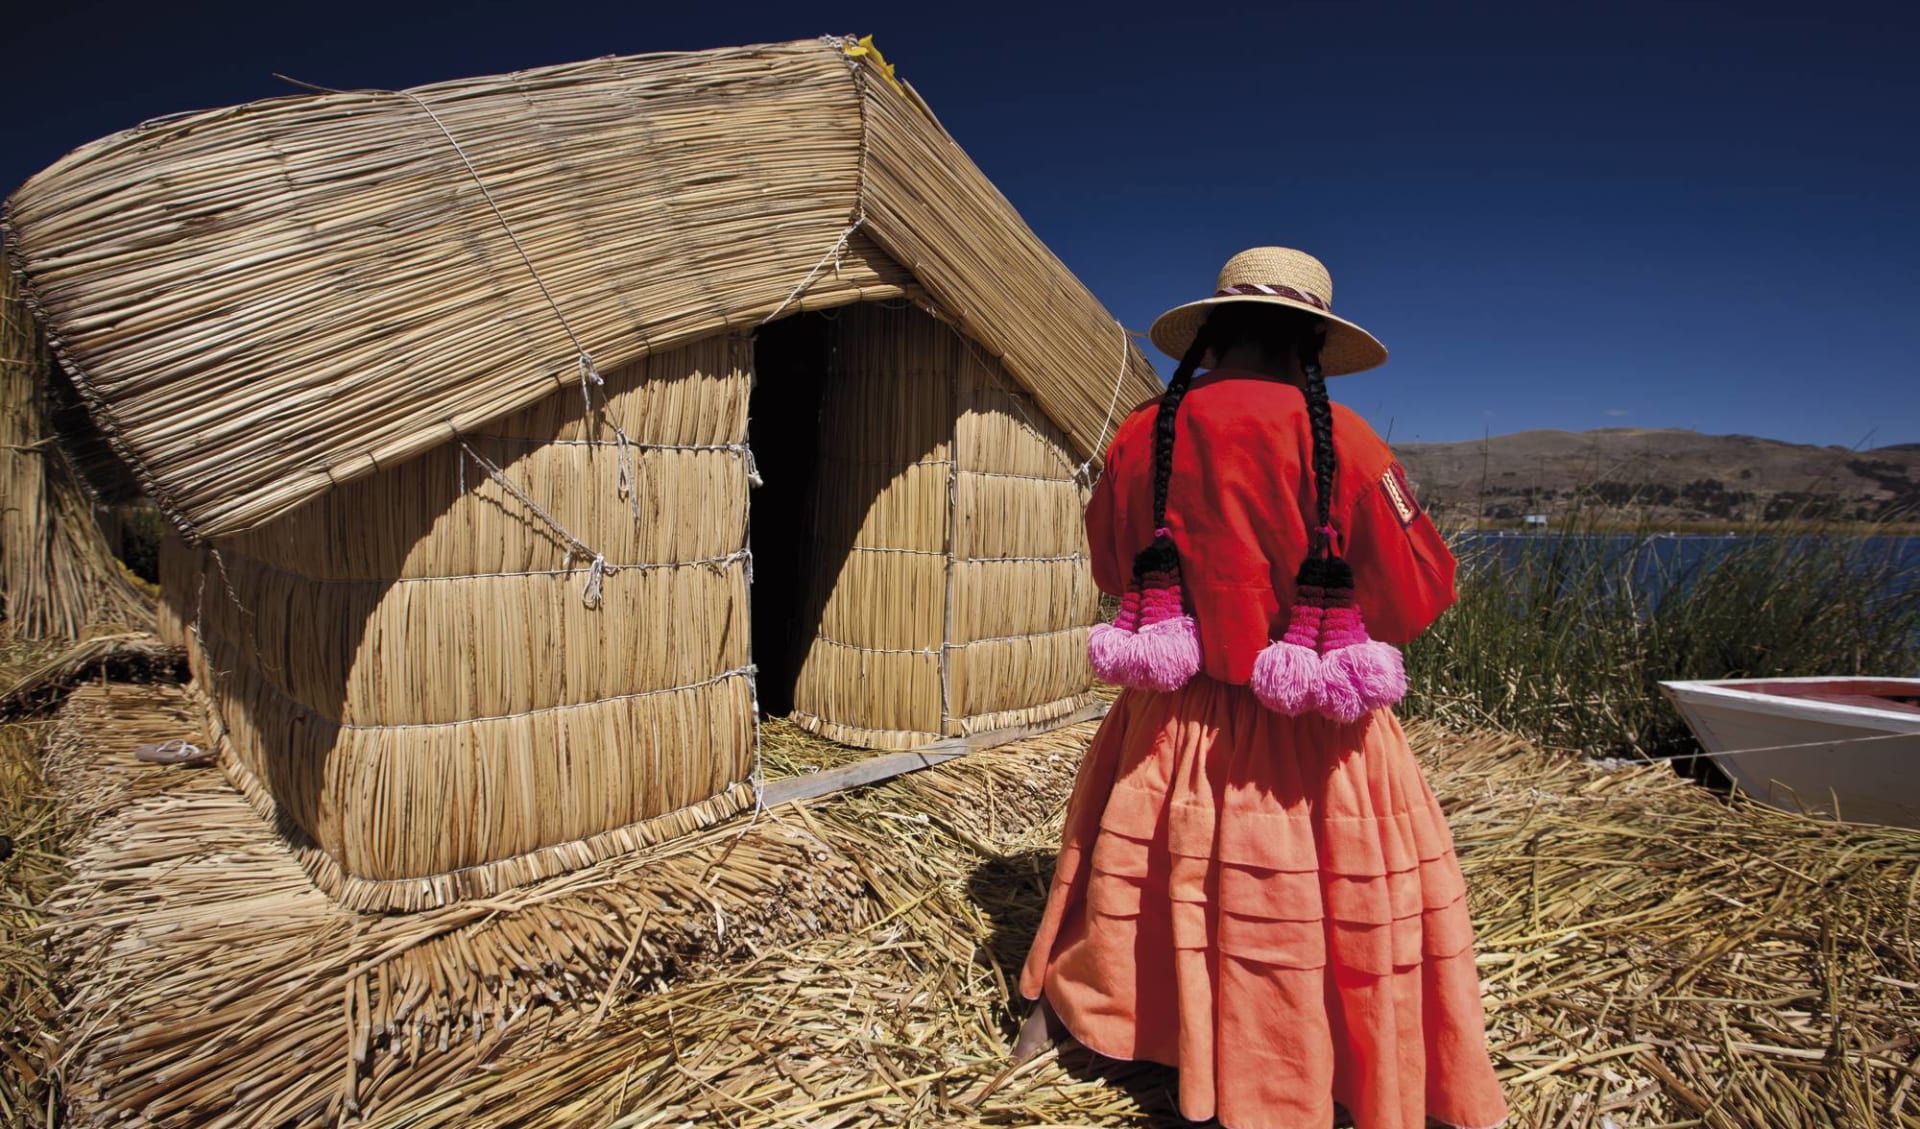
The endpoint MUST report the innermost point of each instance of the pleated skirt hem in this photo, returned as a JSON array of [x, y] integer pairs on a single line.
[[1272, 906]]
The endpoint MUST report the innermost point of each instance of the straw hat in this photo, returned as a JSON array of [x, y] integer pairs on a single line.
[[1278, 276]]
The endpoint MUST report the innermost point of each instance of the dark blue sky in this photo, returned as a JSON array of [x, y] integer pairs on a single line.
[[1672, 214]]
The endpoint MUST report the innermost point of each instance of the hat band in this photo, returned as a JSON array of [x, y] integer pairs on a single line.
[[1245, 288]]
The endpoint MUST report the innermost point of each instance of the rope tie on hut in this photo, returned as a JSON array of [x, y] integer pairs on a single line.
[[1083, 472], [748, 671], [716, 564], [835, 254], [589, 374], [597, 571]]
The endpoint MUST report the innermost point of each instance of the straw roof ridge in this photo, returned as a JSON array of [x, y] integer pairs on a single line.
[[261, 303]]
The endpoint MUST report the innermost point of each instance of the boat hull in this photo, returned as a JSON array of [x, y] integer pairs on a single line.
[[1791, 744]]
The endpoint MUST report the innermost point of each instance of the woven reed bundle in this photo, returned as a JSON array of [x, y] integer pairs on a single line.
[[265, 302], [404, 672], [58, 578]]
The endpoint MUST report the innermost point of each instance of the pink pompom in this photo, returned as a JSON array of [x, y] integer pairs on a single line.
[[1359, 679], [1110, 651], [1166, 654], [1286, 678]]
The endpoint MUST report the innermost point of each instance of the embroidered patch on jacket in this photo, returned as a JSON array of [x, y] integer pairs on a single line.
[[1400, 493]]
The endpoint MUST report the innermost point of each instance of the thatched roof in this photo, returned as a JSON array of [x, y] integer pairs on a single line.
[[261, 302]]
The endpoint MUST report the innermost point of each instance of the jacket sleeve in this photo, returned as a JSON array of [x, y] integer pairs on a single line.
[[1101, 534], [1106, 522], [1402, 569]]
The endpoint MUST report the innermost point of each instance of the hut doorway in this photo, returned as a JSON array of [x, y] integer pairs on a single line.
[[790, 362], [851, 423]]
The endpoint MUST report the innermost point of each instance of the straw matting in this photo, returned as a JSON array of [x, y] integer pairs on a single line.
[[266, 302], [212, 984], [1651, 954]]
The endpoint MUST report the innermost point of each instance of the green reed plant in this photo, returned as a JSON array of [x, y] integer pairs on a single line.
[[1565, 636]]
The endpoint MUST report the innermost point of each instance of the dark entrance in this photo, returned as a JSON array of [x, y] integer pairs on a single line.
[[792, 358]]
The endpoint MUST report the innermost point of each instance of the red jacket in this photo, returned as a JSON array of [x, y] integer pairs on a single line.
[[1239, 508]]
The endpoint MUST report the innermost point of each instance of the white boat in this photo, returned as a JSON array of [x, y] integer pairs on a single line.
[[1838, 748]]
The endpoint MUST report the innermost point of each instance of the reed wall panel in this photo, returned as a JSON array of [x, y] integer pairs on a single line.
[[878, 506], [1001, 516], [407, 668], [488, 789], [999, 427], [996, 599], [1017, 673], [433, 651], [867, 697], [1022, 591], [888, 602], [873, 671]]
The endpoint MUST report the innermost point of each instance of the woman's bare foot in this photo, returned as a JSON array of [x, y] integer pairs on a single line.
[[1041, 1029]]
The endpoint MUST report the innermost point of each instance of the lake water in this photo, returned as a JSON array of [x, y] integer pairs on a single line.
[[1660, 560]]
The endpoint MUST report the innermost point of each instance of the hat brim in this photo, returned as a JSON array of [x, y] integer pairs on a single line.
[[1349, 349]]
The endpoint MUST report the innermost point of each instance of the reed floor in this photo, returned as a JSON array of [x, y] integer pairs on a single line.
[[1652, 954]]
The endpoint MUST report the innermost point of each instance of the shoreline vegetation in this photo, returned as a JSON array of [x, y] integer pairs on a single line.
[[1563, 635]]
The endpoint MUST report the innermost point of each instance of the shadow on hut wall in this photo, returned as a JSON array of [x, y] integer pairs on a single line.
[[851, 422]]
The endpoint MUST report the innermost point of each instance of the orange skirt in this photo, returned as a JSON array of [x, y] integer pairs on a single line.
[[1271, 905]]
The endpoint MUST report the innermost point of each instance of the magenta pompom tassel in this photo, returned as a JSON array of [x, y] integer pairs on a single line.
[[1286, 678], [1361, 678], [1166, 655], [1152, 643], [1338, 698], [1325, 662], [1110, 651]]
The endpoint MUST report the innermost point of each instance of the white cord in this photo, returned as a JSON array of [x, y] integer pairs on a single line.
[[1113, 401]]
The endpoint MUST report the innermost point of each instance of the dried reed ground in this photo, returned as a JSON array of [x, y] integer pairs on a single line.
[[31, 817], [1652, 954]]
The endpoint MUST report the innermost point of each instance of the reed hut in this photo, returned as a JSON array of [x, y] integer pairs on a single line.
[[529, 438]]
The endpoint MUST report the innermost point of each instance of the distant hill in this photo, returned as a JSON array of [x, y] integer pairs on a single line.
[[1666, 476]]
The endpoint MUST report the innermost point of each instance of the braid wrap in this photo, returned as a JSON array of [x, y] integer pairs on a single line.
[[1320, 418], [1161, 555]]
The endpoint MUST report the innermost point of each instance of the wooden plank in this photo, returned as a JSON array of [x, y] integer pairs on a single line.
[[889, 765]]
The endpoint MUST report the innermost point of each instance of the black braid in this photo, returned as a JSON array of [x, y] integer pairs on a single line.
[[1161, 556], [1320, 416]]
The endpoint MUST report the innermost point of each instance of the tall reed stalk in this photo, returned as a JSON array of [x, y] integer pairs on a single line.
[[1565, 636], [58, 578]]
